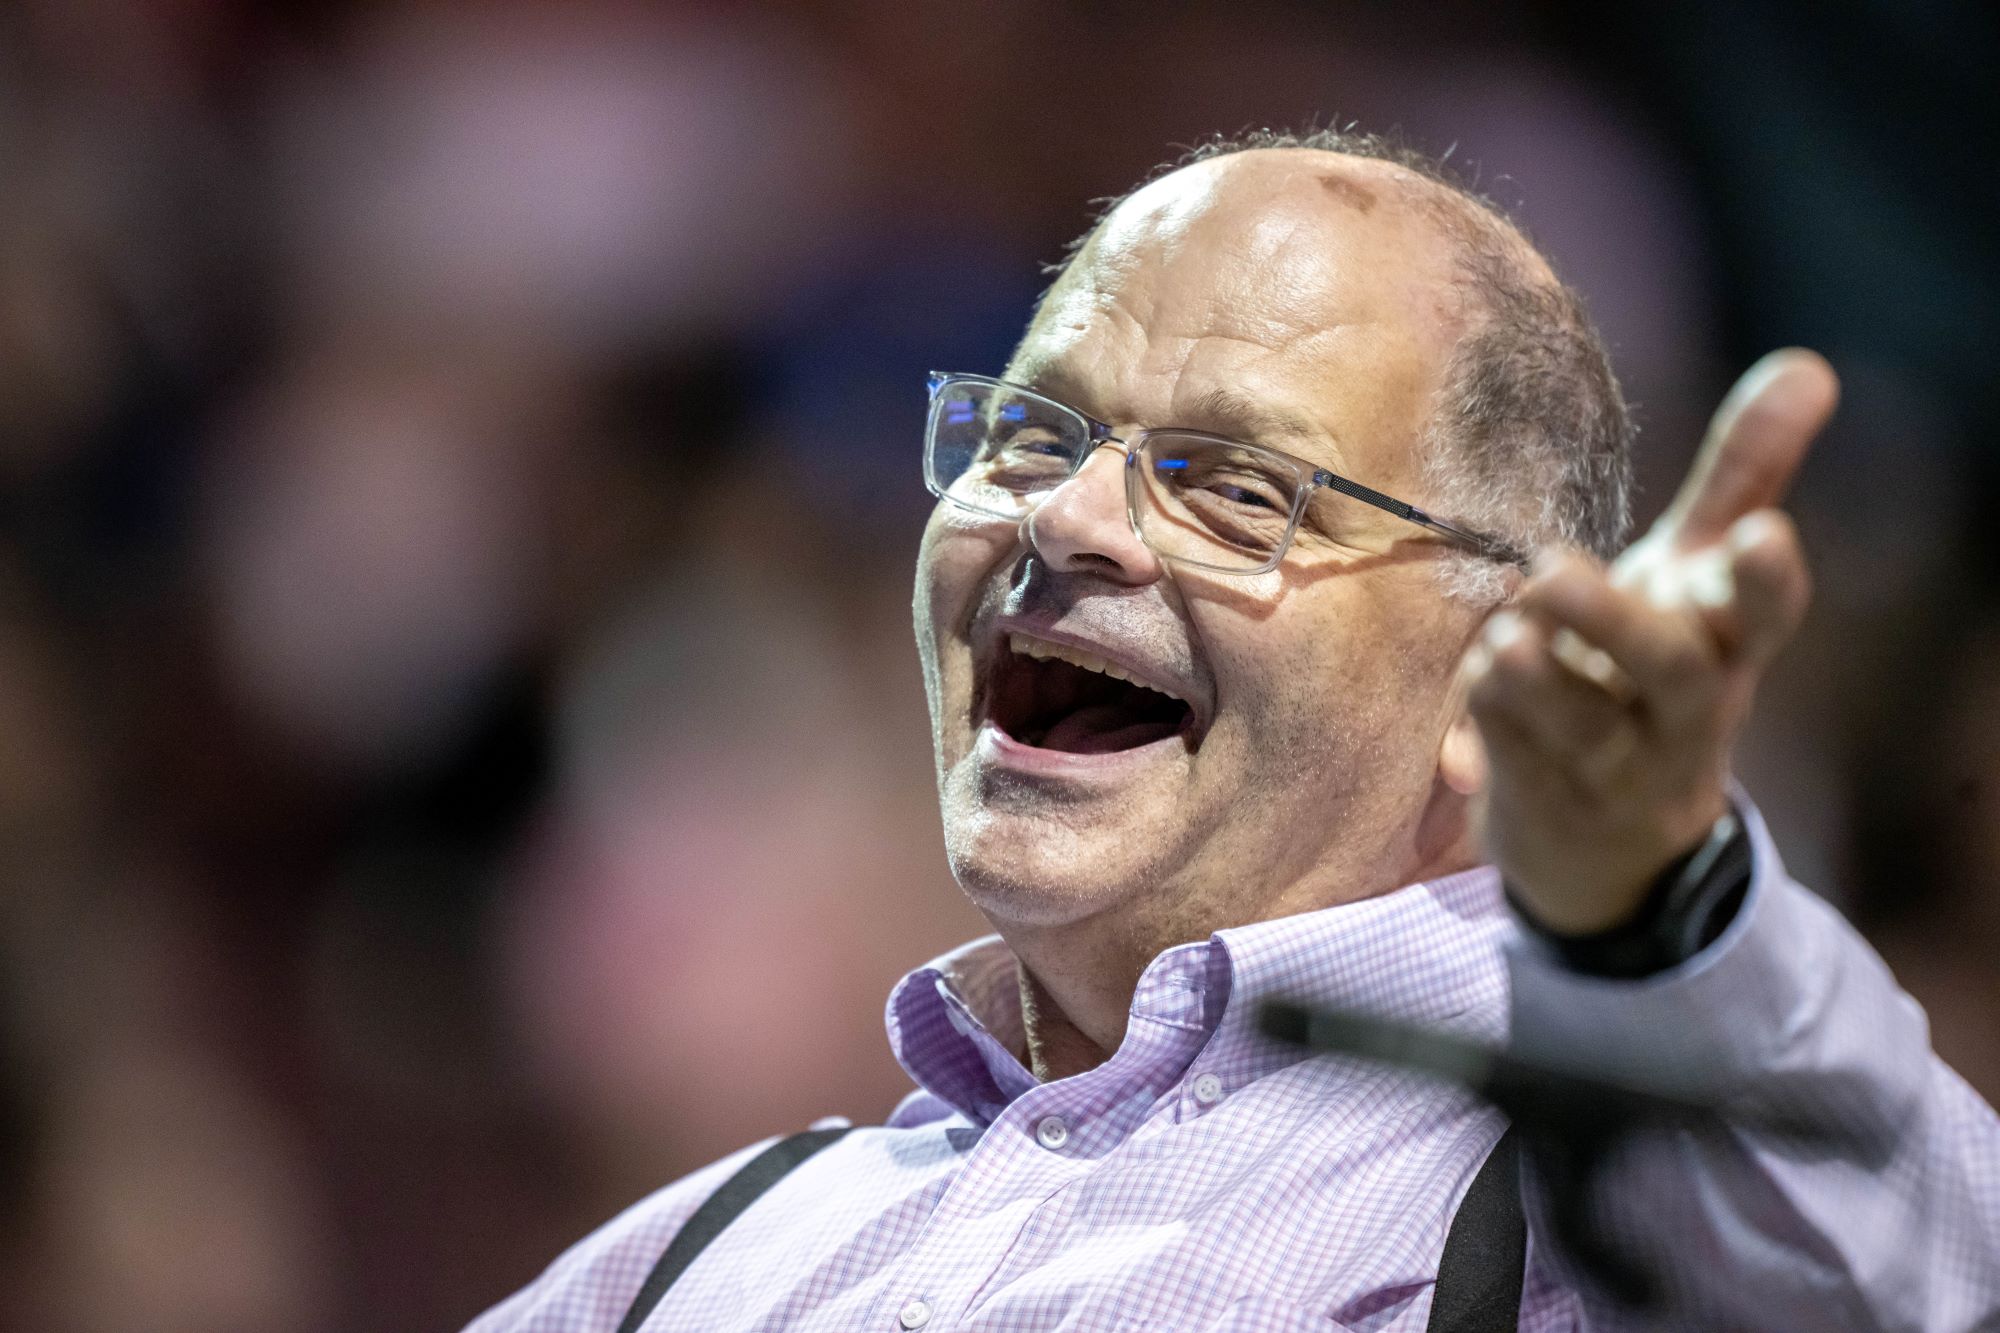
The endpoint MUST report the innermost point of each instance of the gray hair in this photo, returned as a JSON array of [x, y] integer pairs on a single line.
[[1529, 438]]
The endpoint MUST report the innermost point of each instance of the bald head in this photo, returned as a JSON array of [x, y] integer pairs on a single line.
[[1517, 425], [1339, 231], [1259, 202]]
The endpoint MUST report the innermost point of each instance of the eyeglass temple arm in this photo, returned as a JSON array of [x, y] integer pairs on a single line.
[[1493, 547]]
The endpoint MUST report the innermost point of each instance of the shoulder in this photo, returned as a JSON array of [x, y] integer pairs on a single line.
[[590, 1285]]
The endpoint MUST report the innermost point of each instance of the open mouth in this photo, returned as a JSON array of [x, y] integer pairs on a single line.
[[1060, 698]]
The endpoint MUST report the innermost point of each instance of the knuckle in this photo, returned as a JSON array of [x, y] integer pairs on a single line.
[[1684, 667], [1775, 527]]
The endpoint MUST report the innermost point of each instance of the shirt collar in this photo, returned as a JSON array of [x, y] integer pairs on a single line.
[[1426, 954]]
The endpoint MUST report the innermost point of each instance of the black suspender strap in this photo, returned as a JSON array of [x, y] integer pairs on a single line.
[[738, 1192], [1478, 1284], [1485, 1251]]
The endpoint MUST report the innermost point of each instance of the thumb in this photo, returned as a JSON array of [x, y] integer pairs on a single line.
[[1754, 445]]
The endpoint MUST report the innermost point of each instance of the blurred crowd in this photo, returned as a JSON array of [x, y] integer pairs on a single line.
[[462, 761]]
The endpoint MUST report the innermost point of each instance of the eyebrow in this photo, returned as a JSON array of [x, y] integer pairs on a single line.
[[1052, 379], [1228, 411], [1222, 411]]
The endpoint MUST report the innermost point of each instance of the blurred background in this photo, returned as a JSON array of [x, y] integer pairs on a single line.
[[462, 760]]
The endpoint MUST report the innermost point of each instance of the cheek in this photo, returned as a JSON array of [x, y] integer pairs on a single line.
[[952, 566], [1328, 675], [955, 564]]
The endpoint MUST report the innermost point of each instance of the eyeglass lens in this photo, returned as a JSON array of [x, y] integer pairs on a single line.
[[1210, 502], [998, 450], [995, 449]]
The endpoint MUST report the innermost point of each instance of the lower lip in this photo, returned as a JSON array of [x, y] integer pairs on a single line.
[[996, 748]]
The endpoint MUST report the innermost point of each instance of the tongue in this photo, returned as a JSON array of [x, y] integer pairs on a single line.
[[1102, 728]]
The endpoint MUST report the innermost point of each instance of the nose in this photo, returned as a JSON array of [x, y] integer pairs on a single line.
[[1082, 526]]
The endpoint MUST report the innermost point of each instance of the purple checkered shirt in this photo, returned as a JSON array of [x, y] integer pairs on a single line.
[[1205, 1179]]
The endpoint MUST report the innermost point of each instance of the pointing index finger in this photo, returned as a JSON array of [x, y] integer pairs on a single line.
[[1754, 444]]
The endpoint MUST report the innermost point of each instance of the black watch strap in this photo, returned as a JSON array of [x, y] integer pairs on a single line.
[[1689, 906]]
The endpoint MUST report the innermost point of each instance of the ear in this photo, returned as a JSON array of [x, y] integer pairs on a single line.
[[1461, 763], [1462, 755]]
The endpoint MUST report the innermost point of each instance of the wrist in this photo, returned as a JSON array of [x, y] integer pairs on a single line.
[[1685, 908]]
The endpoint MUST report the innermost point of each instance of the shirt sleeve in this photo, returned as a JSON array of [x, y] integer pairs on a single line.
[[1791, 1009], [590, 1286]]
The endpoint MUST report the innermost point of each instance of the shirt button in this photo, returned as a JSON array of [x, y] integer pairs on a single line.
[[915, 1315], [1208, 1089], [1052, 1133]]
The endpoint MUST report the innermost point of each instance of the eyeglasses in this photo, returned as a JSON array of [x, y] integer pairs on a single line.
[[996, 448]]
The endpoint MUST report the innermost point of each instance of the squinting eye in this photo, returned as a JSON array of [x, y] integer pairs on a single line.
[[1027, 442], [1242, 495]]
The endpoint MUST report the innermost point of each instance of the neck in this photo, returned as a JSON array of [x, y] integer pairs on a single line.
[[1057, 1047], [1078, 978]]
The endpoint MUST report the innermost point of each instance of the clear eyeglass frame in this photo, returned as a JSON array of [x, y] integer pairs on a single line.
[[1306, 478]]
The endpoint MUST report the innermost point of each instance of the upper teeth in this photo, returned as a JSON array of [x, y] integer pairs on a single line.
[[1029, 646]]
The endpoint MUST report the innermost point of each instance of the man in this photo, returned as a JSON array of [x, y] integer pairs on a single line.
[[1224, 710]]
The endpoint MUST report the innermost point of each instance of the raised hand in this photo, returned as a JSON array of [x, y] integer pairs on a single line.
[[1608, 700]]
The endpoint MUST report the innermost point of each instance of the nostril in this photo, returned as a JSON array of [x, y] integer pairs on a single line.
[[1084, 524]]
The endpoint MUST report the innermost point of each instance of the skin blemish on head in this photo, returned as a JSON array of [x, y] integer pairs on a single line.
[[1349, 192]]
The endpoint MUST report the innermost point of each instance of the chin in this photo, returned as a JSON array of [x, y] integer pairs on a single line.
[[1033, 868]]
